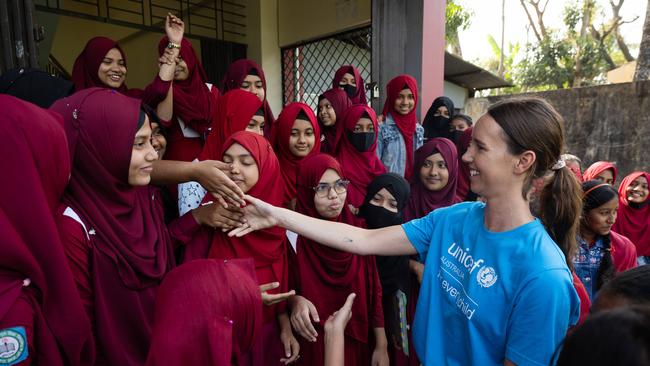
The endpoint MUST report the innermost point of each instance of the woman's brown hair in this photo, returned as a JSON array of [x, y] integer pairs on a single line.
[[533, 124]]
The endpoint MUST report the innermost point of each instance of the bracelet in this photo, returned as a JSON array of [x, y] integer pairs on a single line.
[[171, 45]]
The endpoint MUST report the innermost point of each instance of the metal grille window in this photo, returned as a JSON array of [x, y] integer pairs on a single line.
[[308, 69]]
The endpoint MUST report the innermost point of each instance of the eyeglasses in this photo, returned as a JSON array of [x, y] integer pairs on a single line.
[[340, 187]]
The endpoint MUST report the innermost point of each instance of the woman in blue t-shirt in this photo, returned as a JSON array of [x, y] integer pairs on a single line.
[[497, 289]]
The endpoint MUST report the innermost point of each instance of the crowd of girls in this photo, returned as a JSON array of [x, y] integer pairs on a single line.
[[184, 224]]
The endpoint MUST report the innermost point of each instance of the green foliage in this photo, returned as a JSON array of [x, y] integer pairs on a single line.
[[457, 19]]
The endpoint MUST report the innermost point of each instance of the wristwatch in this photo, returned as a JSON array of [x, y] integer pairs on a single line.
[[171, 45]]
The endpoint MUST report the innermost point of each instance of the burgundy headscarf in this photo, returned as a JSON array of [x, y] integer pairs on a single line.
[[598, 167], [193, 101], [280, 135], [131, 247], [36, 167], [234, 111], [463, 186], [267, 247], [407, 123], [235, 75], [86, 66], [332, 134], [360, 96], [359, 167], [326, 275], [208, 312], [422, 200], [633, 222]]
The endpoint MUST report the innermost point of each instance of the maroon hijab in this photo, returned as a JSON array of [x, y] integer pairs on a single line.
[[193, 101], [327, 276], [463, 188], [280, 135], [407, 123], [131, 248], [633, 222], [360, 96], [208, 312], [332, 134], [36, 167], [235, 75], [598, 167], [422, 200], [359, 167]]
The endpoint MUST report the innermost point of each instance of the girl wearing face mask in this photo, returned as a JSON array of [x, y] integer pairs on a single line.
[[332, 106], [294, 137], [384, 204], [601, 251], [437, 120], [357, 152], [327, 276], [603, 171], [633, 219], [401, 134], [247, 75], [348, 79]]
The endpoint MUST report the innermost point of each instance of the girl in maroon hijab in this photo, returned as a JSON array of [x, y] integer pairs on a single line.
[[111, 228], [357, 151], [294, 137], [332, 106], [348, 78], [257, 171], [400, 134], [194, 104], [326, 276], [633, 218], [208, 312], [248, 75], [41, 315], [603, 171]]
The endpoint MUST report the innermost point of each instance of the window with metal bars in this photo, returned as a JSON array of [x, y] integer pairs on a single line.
[[308, 68]]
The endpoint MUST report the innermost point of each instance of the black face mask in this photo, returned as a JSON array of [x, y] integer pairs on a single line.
[[438, 126], [377, 217], [361, 141], [350, 90]]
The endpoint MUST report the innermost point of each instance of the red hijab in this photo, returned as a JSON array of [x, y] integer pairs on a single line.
[[633, 222], [36, 168], [463, 186], [332, 134], [86, 66], [326, 275], [193, 101], [598, 167], [233, 113], [407, 123], [422, 200], [280, 135], [131, 248], [235, 75], [359, 167], [208, 312], [360, 96]]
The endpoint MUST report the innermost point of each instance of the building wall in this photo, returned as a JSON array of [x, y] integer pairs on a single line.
[[606, 122], [456, 93]]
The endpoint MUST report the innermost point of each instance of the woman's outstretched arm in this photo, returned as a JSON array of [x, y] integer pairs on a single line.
[[387, 241]]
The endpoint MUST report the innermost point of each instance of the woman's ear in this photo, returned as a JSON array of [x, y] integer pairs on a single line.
[[525, 161]]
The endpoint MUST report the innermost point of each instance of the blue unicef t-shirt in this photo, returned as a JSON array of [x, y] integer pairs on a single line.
[[489, 296]]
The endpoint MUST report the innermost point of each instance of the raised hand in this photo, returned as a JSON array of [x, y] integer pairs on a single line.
[[210, 174], [303, 312], [271, 299], [258, 215], [174, 28], [217, 216], [339, 320]]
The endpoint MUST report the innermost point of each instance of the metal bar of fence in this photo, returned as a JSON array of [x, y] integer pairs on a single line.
[[6, 36], [19, 42], [29, 29]]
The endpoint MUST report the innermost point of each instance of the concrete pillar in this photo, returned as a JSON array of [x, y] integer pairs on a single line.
[[408, 36]]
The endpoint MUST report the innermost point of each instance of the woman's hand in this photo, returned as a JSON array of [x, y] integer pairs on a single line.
[[174, 28], [303, 312], [211, 175], [271, 299], [339, 320], [380, 356], [258, 215], [290, 343], [217, 216]]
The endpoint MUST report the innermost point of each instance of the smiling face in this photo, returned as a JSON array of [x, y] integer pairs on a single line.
[[331, 205], [112, 70], [606, 176], [600, 220], [637, 191], [384, 199], [433, 173], [302, 138], [326, 113], [405, 102], [254, 84], [244, 172], [142, 156], [181, 72], [158, 140]]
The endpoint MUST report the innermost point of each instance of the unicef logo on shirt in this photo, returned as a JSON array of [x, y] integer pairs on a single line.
[[486, 277]]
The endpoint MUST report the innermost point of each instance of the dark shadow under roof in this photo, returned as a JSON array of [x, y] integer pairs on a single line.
[[470, 76]]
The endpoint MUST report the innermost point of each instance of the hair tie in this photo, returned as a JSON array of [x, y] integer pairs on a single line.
[[559, 165]]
